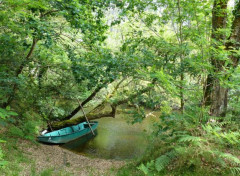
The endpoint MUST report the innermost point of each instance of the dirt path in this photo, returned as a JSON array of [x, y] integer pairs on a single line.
[[61, 161]]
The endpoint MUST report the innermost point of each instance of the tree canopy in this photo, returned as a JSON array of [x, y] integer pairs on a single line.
[[177, 56]]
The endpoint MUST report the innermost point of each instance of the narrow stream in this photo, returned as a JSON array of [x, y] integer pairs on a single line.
[[115, 139]]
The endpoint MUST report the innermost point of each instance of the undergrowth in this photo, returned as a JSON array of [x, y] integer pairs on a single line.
[[185, 145], [14, 131]]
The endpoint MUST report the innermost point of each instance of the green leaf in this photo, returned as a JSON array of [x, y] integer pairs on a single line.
[[144, 169]]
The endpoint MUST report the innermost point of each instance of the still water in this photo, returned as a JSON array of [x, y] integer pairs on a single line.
[[115, 139]]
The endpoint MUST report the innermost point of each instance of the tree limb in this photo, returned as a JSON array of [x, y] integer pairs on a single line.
[[89, 98], [107, 97], [93, 116]]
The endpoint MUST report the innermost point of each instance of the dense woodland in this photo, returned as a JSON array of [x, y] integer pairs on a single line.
[[177, 56]]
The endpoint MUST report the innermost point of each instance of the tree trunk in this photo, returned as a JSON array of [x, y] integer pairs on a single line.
[[91, 116], [219, 94], [181, 93], [207, 89], [213, 92], [218, 100], [97, 115], [223, 114], [234, 40], [89, 98]]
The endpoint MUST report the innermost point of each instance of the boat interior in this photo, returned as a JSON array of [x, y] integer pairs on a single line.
[[69, 130]]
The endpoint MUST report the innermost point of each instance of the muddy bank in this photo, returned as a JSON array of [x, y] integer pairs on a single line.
[[61, 160]]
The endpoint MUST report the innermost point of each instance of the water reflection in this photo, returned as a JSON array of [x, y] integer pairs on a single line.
[[115, 139], [79, 144]]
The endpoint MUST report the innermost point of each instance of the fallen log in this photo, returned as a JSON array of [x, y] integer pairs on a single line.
[[98, 115], [91, 96], [90, 116]]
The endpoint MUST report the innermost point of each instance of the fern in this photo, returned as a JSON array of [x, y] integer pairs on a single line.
[[188, 138], [144, 169], [182, 146], [228, 161], [231, 137], [230, 157], [164, 160], [235, 170], [222, 137], [147, 169]]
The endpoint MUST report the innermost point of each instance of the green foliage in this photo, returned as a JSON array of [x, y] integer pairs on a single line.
[[2, 162], [54, 52], [130, 169], [27, 129], [136, 116], [34, 62], [164, 160], [16, 132], [147, 169], [48, 172], [4, 113], [182, 147]]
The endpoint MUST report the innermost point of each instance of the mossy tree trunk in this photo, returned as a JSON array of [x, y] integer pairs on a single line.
[[216, 95], [98, 115]]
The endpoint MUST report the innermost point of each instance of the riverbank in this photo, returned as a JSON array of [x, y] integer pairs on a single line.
[[53, 160]]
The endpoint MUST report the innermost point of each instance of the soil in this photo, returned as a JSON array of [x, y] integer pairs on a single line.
[[60, 160]]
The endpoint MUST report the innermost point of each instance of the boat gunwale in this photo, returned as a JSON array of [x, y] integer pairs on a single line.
[[42, 136], [68, 141]]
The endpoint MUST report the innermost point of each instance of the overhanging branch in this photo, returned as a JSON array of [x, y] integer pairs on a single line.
[[93, 116]]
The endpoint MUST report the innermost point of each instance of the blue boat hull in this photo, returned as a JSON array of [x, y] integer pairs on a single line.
[[67, 134]]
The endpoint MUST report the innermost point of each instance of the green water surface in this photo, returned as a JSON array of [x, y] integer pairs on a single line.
[[115, 139]]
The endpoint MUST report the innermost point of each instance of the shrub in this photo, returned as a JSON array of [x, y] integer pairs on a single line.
[[184, 147], [4, 113]]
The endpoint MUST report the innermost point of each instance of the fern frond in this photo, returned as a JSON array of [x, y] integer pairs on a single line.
[[188, 138], [164, 160], [147, 168], [228, 156], [231, 158], [235, 170], [144, 169]]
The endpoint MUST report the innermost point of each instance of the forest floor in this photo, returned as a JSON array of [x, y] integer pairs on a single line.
[[58, 160]]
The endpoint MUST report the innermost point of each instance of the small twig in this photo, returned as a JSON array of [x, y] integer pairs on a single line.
[[48, 13]]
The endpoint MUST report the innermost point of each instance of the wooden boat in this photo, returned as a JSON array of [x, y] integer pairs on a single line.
[[67, 134]]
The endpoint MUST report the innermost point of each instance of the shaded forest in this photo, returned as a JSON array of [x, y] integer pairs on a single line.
[[179, 57]]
